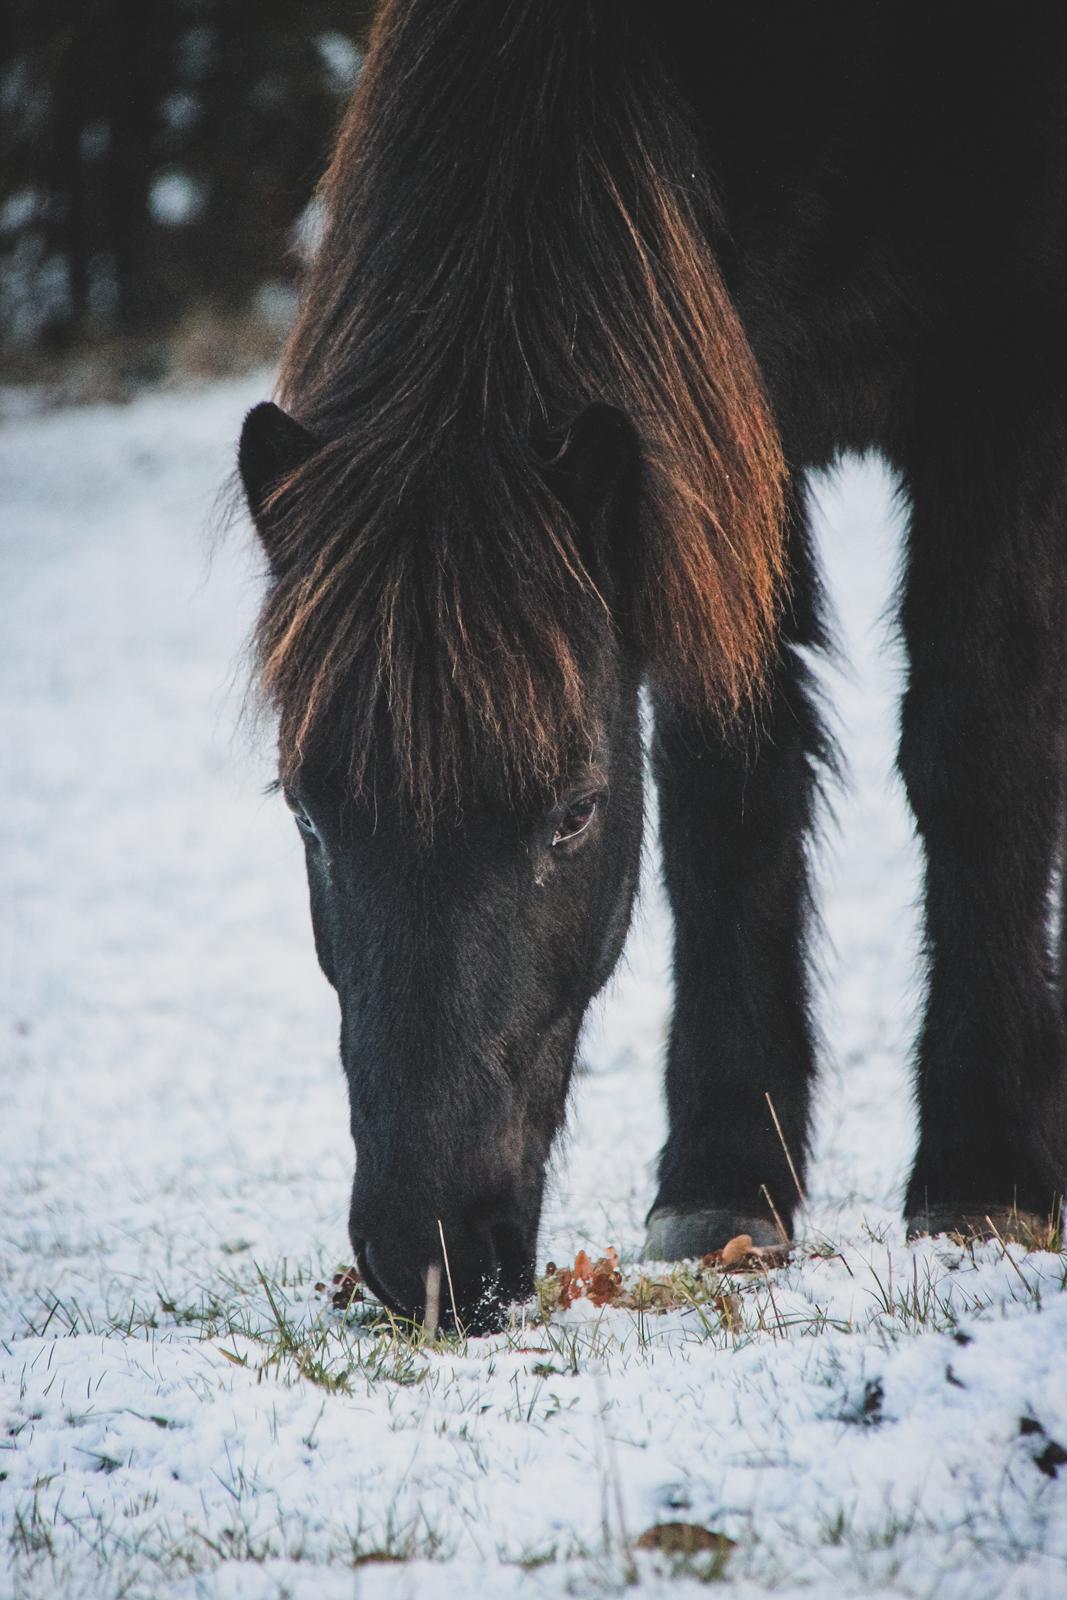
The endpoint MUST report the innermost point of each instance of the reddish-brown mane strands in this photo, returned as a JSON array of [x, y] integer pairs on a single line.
[[512, 233]]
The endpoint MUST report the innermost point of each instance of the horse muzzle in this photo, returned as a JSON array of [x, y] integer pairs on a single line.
[[447, 1276]]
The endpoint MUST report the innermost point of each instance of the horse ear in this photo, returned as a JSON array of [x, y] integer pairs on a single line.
[[596, 473], [273, 446]]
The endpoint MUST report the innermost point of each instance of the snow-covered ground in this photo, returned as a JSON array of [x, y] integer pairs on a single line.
[[180, 1413]]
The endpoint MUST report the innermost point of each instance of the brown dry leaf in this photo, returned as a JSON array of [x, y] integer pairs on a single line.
[[683, 1539], [649, 1294], [741, 1255], [568, 1289], [346, 1288], [729, 1308], [664, 1296], [600, 1281], [605, 1286], [772, 1255], [638, 1297]]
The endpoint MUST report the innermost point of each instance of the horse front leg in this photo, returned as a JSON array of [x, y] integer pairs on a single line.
[[735, 814], [983, 745]]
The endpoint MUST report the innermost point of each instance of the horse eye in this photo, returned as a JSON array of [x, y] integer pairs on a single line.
[[300, 817], [574, 821]]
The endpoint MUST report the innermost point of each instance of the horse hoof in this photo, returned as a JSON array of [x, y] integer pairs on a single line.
[[984, 1222], [674, 1235]]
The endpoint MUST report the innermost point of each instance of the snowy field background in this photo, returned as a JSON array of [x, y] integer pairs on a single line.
[[181, 1414]]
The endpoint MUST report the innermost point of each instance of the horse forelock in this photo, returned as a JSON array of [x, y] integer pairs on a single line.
[[422, 657]]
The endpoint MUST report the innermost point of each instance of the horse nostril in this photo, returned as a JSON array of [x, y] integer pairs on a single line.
[[406, 1301]]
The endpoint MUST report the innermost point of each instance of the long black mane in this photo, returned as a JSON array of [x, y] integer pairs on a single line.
[[517, 225]]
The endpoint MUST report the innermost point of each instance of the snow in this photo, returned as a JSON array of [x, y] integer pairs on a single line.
[[175, 198], [173, 1146]]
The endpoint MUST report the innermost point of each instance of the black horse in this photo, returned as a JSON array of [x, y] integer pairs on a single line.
[[600, 281]]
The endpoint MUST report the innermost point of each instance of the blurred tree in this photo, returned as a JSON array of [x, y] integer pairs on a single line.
[[158, 153]]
